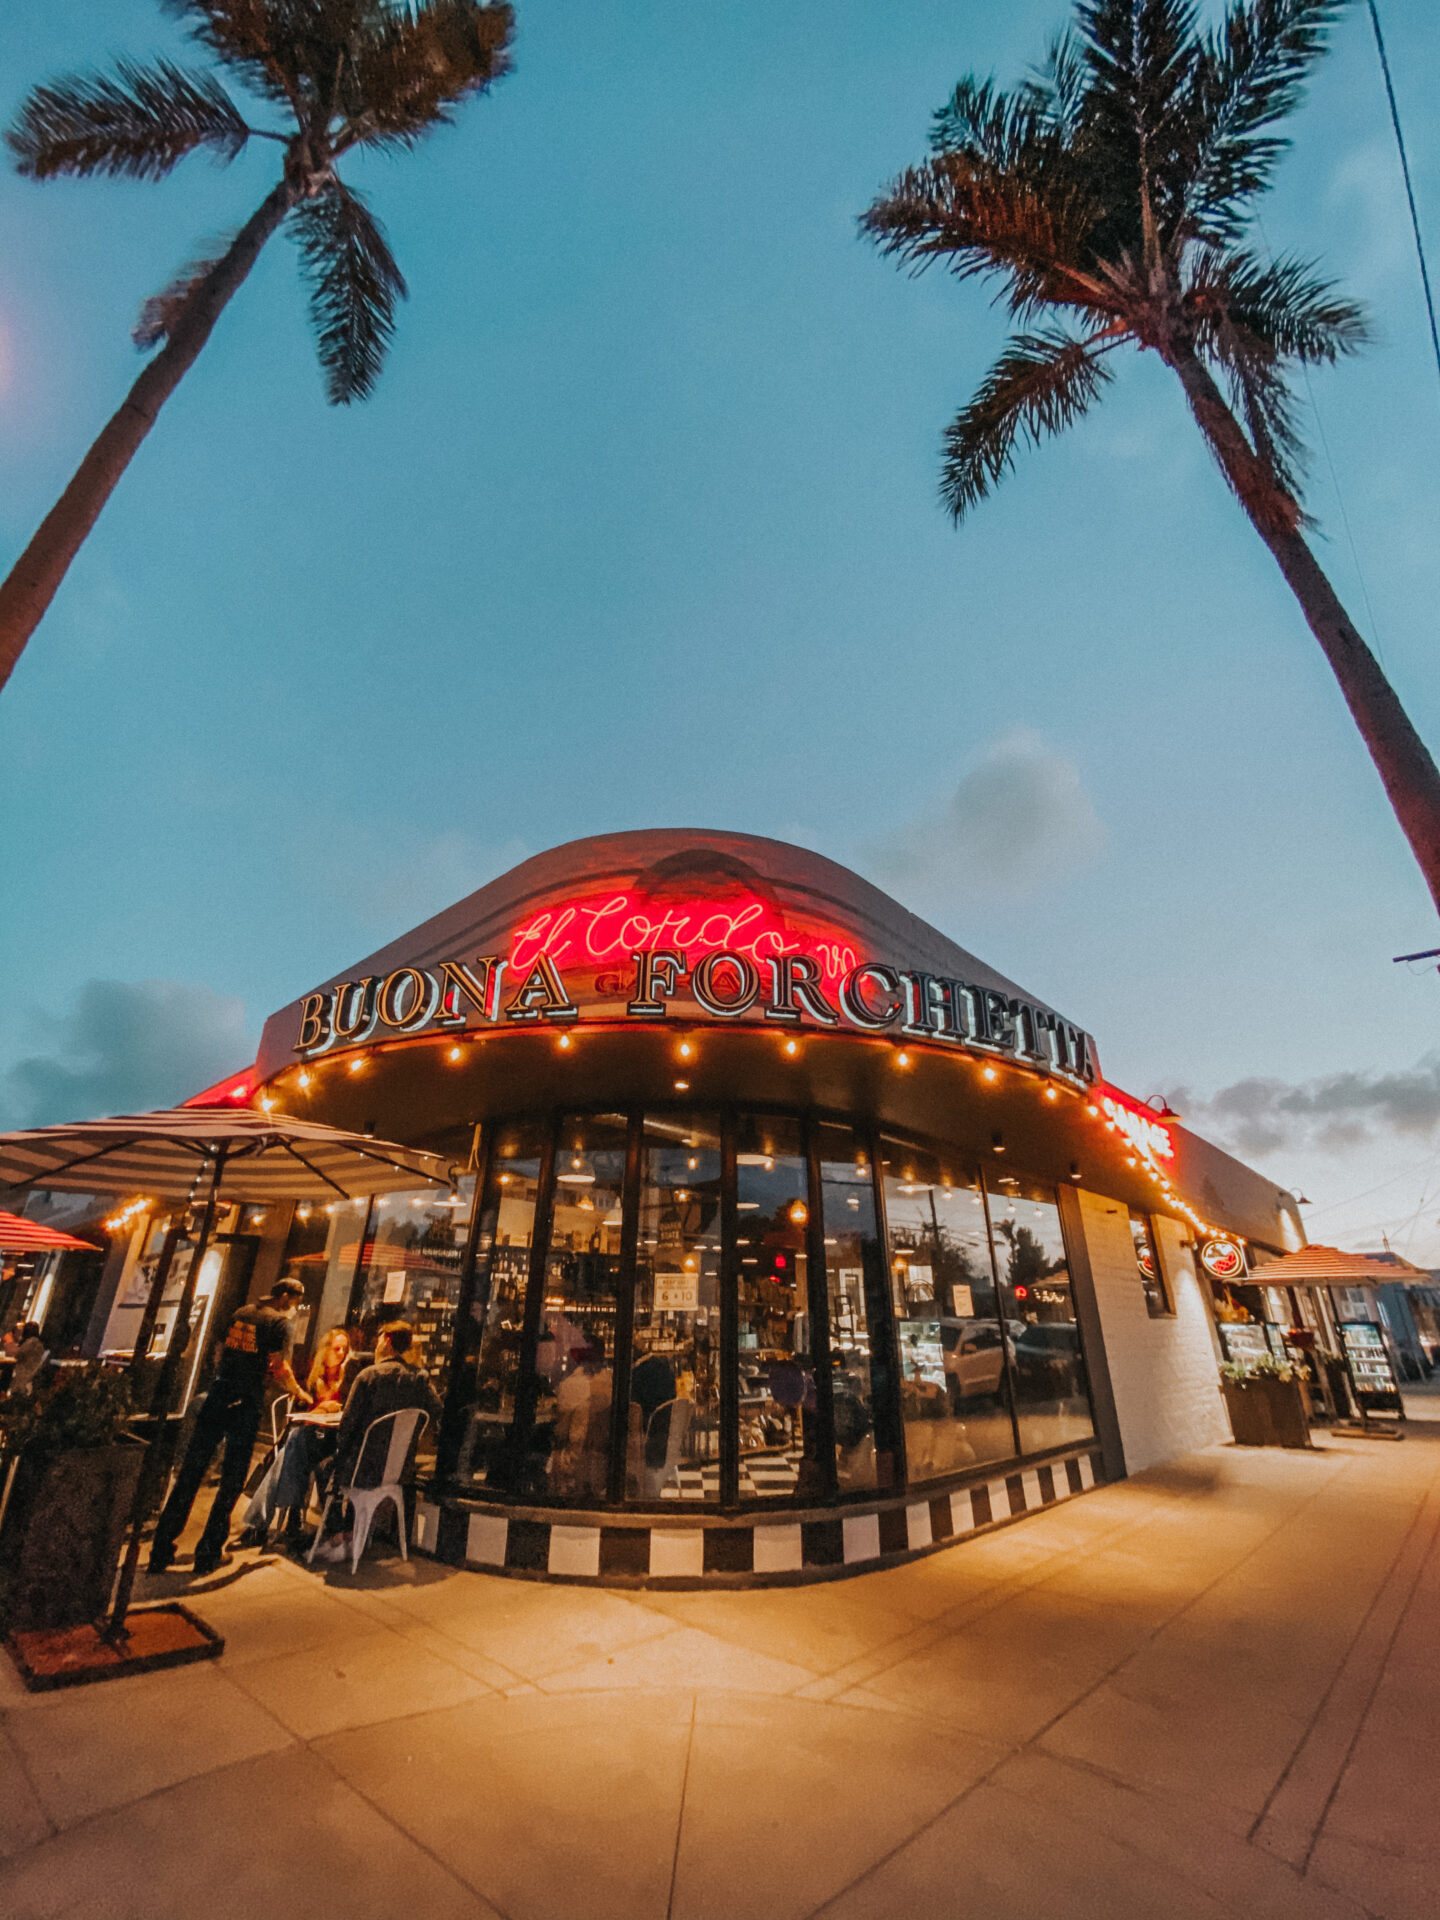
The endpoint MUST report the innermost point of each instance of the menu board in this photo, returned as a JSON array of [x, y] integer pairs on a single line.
[[1244, 1341], [1369, 1362]]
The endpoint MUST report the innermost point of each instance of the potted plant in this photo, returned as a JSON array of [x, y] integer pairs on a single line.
[[1265, 1399], [71, 1471]]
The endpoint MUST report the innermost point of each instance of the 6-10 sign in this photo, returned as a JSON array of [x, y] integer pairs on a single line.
[[677, 1292]]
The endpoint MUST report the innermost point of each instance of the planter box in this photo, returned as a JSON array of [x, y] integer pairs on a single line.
[[1265, 1412], [62, 1535]]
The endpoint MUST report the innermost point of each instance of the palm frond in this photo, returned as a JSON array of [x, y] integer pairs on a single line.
[[409, 70], [1056, 90], [136, 123], [288, 50], [1041, 384], [1137, 122], [354, 283], [983, 219], [1282, 303], [160, 312], [1251, 73]]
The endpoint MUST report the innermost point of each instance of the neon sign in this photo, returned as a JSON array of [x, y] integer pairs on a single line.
[[736, 961], [1145, 1133], [617, 926], [1224, 1258]]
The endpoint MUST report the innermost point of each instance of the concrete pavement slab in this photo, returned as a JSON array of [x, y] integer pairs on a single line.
[[104, 1746], [279, 1835], [786, 1802], [549, 1805]]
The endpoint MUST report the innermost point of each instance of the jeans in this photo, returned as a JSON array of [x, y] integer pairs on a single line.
[[228, 1420]]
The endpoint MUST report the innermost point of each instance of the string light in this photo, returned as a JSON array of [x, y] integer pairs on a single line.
[[126, 1214]]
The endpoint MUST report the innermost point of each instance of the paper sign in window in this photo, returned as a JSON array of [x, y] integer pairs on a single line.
[[677, 1292]]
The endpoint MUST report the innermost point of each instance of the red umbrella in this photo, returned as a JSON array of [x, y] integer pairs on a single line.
[[28, 1236]]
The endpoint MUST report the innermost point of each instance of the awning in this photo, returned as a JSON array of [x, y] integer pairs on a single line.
[[28, 1236], [1317, 1266]]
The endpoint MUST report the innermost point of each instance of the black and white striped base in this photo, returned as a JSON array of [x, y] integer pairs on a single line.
[[647, 1550]]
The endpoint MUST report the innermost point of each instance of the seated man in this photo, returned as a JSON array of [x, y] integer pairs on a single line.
[[393, 1383]]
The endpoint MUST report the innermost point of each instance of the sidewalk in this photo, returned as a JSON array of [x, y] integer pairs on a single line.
[[1210, 1691]]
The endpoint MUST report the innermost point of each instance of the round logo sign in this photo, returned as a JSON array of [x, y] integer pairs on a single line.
[[1224, 1258]]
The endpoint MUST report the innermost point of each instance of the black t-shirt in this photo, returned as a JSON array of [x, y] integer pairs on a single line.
[[256, 1335], [652, 1383]]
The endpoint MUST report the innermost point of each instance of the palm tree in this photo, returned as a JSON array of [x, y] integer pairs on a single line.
[[343, 74], [1112, 195]]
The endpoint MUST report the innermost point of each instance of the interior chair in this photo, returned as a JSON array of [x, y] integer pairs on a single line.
[[280, 1416], [405, 1427], [672, 1419]]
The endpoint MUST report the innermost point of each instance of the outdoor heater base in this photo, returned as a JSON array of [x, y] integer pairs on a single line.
[[163, 1636]]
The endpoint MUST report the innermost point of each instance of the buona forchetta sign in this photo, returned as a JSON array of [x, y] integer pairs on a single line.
[[623, 958]]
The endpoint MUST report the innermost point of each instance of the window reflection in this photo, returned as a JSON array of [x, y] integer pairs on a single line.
[[409, 1269], [954, 1392], [865, 1454], [673, 1440], [492, 1444], [1051, 1395], [1147, 1265], [575, 1348], [778, 1439]]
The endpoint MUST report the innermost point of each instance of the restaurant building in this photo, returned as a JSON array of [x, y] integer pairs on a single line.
[[787, 1236]]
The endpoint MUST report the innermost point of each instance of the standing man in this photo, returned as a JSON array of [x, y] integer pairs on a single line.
[[256, 1351]]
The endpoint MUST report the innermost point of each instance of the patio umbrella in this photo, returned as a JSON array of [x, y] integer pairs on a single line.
[[226, 1154], [1317, 1266], [18, 1235]]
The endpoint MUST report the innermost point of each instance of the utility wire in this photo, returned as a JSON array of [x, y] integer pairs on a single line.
[[1405, 169]]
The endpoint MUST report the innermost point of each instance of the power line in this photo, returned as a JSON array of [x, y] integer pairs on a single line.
[[1405, 169]]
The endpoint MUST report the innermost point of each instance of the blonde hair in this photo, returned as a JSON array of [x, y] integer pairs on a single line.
[[326, 1346]]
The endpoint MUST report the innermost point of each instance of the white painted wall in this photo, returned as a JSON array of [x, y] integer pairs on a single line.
[[1165, 1372]]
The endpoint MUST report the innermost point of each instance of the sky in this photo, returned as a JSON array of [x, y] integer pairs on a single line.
[[641, 529]]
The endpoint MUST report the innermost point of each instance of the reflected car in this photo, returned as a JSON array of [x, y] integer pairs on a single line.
[[1046, 1354], [974, 1357]]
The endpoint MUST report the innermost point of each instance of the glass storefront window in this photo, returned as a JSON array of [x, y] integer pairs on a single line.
[[410, 1270], [949, 1337], [673, 1434], [778, 1438], [1051, 1394], [955, 1393], [865, 1452], [1147, 1265], [497, 1405], [575, 1346]]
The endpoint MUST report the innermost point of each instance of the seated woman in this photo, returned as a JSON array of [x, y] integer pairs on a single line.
[[305, 1449], [328, 1373]]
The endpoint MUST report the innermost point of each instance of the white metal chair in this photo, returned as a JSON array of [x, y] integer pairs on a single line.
[[280, 1416], [406, 1425], [677, 1415]]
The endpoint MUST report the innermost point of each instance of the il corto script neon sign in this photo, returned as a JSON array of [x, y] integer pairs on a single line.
[[735, 961]]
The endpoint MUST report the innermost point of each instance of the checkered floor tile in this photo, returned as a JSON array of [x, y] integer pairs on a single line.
[[761, 1475]]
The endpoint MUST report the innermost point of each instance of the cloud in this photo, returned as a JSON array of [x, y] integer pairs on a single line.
[[126, 1046], [1340, 1112], [1019, 817]]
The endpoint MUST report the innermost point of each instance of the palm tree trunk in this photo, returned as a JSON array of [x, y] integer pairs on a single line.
[[1404, 763], [35, 578]]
